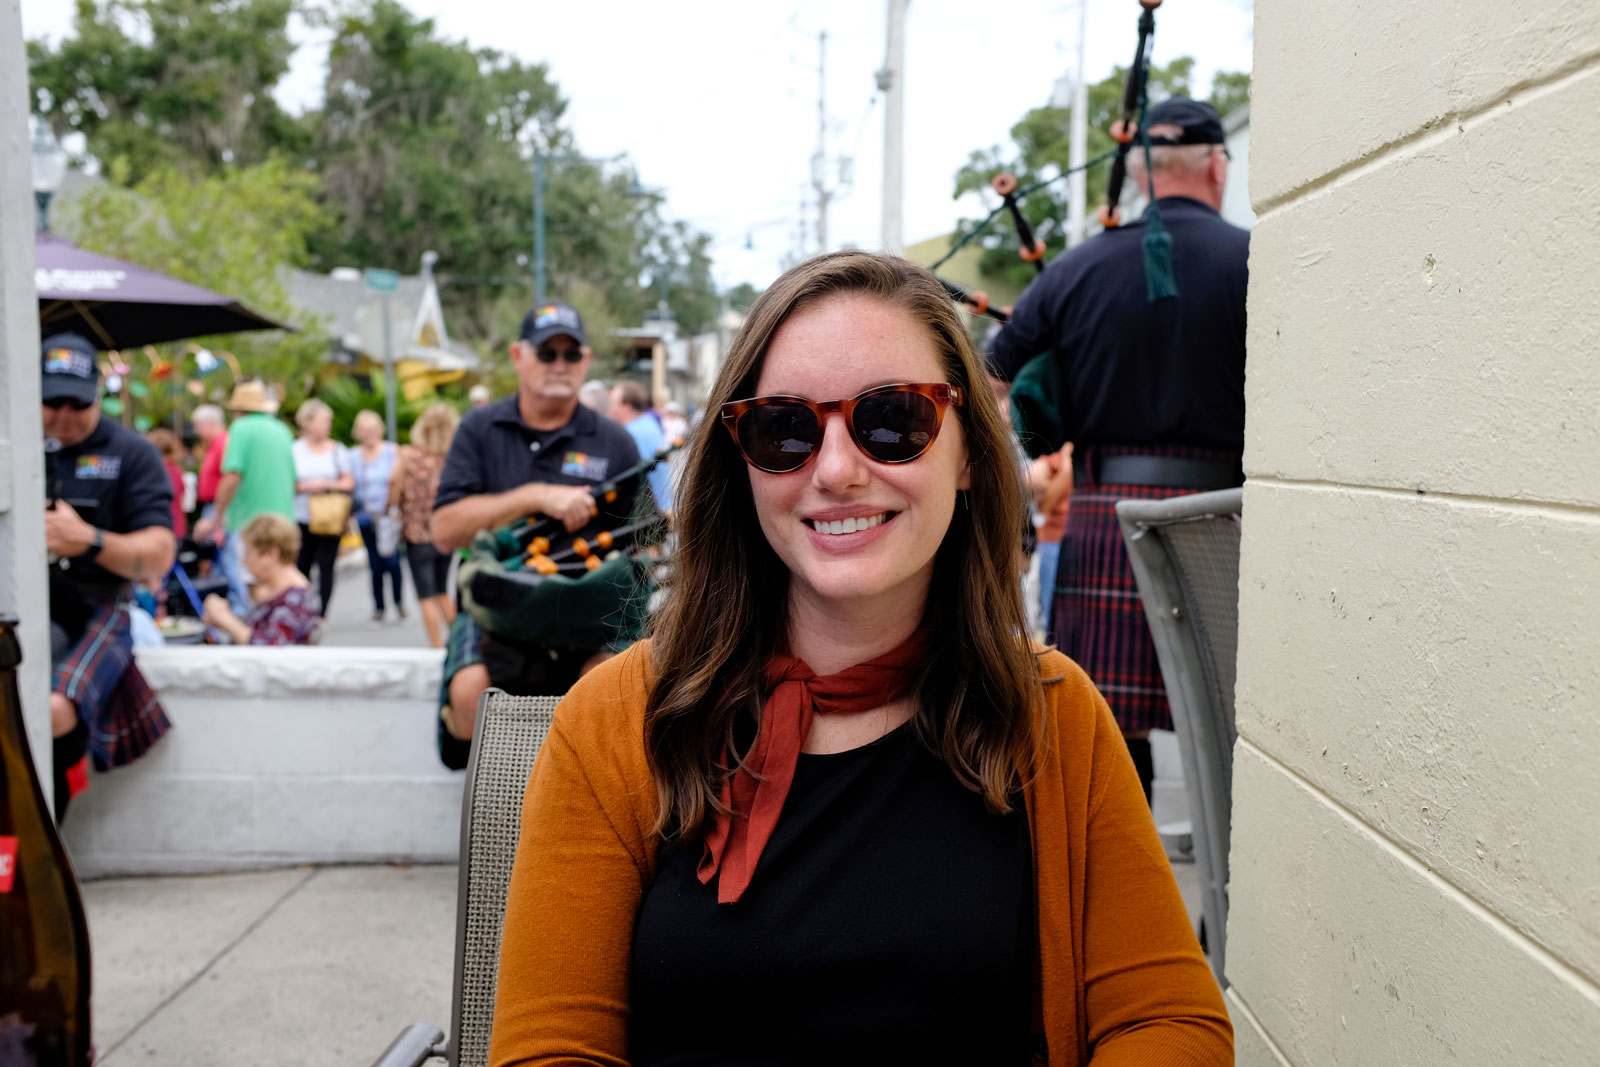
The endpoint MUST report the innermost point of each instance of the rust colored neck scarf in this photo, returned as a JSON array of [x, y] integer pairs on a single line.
[[756, 791]]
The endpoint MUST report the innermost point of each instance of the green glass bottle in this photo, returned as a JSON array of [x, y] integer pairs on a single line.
[[44, 935]]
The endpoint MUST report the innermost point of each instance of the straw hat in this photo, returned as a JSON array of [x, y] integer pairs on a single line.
[[252, 396]]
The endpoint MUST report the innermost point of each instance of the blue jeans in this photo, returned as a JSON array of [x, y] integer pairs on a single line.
[[230, 561], [380, 565], [1049, 562]]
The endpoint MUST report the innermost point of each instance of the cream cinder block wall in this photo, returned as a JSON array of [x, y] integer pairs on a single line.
[[1416, 838]]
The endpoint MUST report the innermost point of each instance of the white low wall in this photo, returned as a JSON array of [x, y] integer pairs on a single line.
[[276, 756]]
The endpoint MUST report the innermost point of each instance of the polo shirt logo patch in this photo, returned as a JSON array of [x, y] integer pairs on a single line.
[[99, 468], [583, 465]]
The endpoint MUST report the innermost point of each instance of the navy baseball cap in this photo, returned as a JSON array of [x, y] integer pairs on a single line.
[[1198, 121], [551, 320], [71, 370]]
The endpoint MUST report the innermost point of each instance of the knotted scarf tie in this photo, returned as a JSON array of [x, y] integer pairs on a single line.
[[756, 791]]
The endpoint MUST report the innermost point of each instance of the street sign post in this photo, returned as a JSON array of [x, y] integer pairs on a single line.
[[386, 282]]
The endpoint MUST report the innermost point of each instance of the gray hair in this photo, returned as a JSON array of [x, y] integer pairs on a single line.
[[1169, 159], [595, 394], [208, 413], [311, 409]]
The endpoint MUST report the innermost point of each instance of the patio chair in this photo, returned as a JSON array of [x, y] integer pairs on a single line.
[[508, 735], [1185, 556]]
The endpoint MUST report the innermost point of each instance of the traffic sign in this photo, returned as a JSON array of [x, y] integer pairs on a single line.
[[382, 281]]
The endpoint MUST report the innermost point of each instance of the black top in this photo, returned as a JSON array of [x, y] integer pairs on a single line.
[[495, 451], [890, 920], [1136, 372], [115, 480]]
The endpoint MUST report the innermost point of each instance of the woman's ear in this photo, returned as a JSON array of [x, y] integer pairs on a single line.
[[964, 475]]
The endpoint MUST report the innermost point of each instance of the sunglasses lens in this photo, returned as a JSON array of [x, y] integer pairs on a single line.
[[779, 437], [894, 427]]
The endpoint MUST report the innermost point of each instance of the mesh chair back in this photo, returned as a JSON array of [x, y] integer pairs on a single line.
[[507, 739], [1185, 556], [1205, 556]]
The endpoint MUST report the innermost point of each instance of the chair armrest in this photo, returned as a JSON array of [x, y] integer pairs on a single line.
[[416, 1045]]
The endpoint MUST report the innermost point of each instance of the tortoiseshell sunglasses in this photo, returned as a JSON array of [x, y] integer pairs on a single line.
[[889, 424]]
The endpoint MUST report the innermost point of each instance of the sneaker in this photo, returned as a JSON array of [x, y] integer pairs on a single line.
[[401, 608], [377, 614]]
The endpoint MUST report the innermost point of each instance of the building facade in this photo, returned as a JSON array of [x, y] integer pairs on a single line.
[[1415, 858]]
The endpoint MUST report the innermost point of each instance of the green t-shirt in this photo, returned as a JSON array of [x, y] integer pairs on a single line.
[[260, 448]]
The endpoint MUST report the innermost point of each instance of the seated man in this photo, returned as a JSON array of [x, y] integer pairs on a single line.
[[108, 524], [539, 452], [285, 609]]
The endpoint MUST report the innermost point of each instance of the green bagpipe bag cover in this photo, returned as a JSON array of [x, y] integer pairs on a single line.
[[601, 608], [1037, 403]]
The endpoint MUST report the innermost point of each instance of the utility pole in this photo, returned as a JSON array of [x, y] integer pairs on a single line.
[[819, 160], [538, 226], [891, 83], [1078, 145]]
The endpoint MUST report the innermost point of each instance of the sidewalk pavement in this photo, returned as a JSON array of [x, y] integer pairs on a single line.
[[305, 967]]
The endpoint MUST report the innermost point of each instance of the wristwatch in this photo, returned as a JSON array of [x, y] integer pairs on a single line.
[[99, 542]]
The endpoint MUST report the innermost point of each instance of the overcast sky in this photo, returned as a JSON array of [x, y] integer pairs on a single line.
[[715, 101]]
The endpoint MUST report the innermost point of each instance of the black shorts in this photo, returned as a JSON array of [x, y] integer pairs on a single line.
[[430, 570]]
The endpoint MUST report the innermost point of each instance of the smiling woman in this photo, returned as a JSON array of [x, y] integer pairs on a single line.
[[839, 798]]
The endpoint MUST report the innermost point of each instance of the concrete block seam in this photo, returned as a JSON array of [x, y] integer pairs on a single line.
[[1237, 1004], [1543, 509], [1451, 124], [1544, 954]]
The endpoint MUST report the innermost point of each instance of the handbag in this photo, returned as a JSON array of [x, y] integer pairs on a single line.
[[330, 513], [386, 528]]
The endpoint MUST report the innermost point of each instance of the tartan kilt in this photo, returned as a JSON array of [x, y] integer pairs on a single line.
[[123, 715], [1098, 619], [463, 647]]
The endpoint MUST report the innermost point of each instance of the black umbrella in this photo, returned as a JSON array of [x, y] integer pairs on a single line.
[[121, 305]]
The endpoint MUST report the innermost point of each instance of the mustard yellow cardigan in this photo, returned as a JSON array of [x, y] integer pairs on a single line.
[[1120, 978]]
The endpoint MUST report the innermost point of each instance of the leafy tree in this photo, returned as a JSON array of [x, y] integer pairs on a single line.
[[426, 143], [348, 395], [741, 296], [237, 233], [1230, 90], [422, 142], [1040, 149], [170, 83], [679, 262]]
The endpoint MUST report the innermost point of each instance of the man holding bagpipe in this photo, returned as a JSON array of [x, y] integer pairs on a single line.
[[1146, 336], [538, 453]]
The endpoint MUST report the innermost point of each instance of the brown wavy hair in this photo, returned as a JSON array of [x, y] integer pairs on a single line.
[[726, 612], [434, 429]]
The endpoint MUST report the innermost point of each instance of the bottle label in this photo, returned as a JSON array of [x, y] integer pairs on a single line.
[[8, 863]]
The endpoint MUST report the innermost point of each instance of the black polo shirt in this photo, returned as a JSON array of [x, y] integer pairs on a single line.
[[1135, 372], [115, 480], [495, 451]]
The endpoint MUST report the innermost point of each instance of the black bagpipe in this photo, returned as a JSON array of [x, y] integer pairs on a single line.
[[590, 594], [1036, 392], [1160, 283]]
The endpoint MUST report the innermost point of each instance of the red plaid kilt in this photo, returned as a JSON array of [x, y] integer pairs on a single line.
[[121, 711], [1098, 619]]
